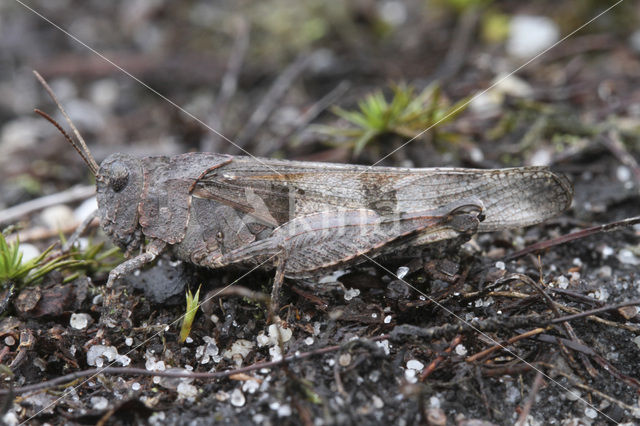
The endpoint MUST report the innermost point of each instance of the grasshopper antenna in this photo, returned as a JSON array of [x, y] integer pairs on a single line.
[[80, 144]]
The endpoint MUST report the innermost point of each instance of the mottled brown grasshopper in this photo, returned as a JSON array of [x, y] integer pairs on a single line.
[[304, 218]]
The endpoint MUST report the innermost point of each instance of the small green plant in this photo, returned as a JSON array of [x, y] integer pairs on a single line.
[[407, 114], [94, 258], [13, 269], [193, 303]]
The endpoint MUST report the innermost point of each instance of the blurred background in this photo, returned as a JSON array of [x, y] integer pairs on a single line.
[[271, 75]]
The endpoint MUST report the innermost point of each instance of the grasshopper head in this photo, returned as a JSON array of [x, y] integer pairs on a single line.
[[119, 181]]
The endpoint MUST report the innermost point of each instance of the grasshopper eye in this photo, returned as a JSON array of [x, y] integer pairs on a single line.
[[118, 176]]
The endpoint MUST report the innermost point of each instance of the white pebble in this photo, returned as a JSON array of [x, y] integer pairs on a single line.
[[276, 332], [80, 321], [237, 398], [414, 364], [410, 376], [393, 12], [57, 217], [104, 93], [623, 173], [500, 265], [344, 359], [240, 347], [573, 395], [276, 353], [29, 251], [250, 386], [590, 412], [98, 354], [308, 341], [284, 410], [187, 391], [377, 402], [402, 272], [387, 319], [99, 402], [87, 207], [627, 257], [530, 35], [461, 350], [562, 282], [384, 344], [351, 293]]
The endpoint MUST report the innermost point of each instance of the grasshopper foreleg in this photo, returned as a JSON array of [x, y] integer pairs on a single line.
[[152, 251]]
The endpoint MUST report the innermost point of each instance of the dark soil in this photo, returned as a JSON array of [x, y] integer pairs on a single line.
[[368, 349]]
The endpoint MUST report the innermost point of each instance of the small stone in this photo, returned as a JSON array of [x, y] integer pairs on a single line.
[[601, 294], [276, 332], [187, 391], [104, 93], [222, 396], [276, 353], [562, 282], [377, 402], [208, 352], [434, 401], [530, 35], [57, 217], [237, 398], [19, 134], [628, 312], [80, 321], [623, 173], [29, 251], [308, 341], [344, 359], [250, 386], [9, 341], [387, 319], [98, 354], [410, 376], [351, 293], [284, 410], [262, 339], [590, 412], [135, 386], [402, 272], [541, 157], [604, 272], [573, 395], [99, 403], [87, 207], [414, 364], [436, 417], [393, 12], [240, 347], [384, 344], [627, 257], [500, 265], [461, 350]]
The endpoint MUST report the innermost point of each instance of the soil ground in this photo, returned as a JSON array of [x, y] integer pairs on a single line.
[[365, 348]]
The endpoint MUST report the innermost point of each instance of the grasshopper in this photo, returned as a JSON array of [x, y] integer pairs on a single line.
[[303, 218]]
